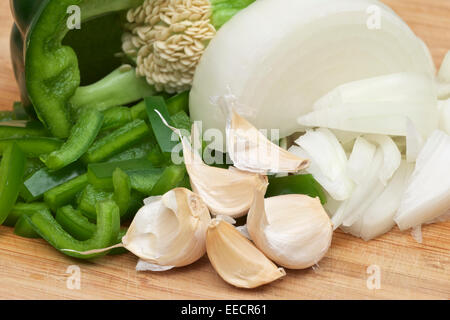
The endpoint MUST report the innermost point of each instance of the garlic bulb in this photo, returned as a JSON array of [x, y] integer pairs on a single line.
[[227, 192], [250, 150], [292, 230], [236, 259], [170, 229]]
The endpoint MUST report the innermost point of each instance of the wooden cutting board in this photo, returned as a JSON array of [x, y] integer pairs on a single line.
[[31, 269]]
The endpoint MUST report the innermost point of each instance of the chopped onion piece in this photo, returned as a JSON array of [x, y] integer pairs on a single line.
[[328, 161], [360, 159], [416, 233], [391, 156], [397, 87], [379, 216], [443, 90], [444, 70], [414, 142], [386, 118], [444, 108], [428, 193], [364, 194]]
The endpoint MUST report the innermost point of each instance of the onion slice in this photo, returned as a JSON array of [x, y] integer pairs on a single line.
[[444, 109], [391, 156], [328, 161], [428, 193], [360, 159], [378, 218], [397, 87], [364, 194]]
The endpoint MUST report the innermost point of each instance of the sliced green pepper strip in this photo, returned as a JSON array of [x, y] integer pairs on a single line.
[[182, 121], [12, 168], [65, 193], [75, 223], [145, 180], [139, 111], [24, 229], [106, 234], [100, 174], [122, 190], [170, 179], [158, 158], [88, 199], [116, 142], [79, 227], [140, 151], [21, 209], [32, 165], [178, 103], [116, 117], [299, 184], [44, 180], [20, 129], [33, 147], [162, 133], [82, 135]]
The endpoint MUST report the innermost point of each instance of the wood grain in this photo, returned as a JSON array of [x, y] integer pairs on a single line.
[[31, 269]]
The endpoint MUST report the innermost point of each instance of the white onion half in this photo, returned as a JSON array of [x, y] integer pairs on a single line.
[[279, 56]]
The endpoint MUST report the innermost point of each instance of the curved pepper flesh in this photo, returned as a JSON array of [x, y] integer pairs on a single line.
[[108, 228]]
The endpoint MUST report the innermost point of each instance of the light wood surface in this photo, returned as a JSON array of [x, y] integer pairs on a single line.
[[31, 269]]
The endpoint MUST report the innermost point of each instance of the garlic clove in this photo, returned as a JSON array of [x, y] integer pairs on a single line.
[[236, 259], [292, 230], [250, 150], [227, 192], [170, 230]]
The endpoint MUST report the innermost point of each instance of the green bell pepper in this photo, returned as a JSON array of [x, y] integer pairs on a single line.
[[24, 229], [12, 168], [79, 227], [44, 180], [33, 147], [65, 193], [105, 235], [117, 141], [298, 184], [81, 137], [21, 209], [50, 61]]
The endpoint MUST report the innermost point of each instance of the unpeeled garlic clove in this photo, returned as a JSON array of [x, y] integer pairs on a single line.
[[227, 192], [236, 259], [170, 230], [292, 230], [250, 150]]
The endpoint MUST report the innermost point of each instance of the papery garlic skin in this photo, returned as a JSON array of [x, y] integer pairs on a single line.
[[225, 192], [170, 230], [292, 230], [236, 259], [250, 150]]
